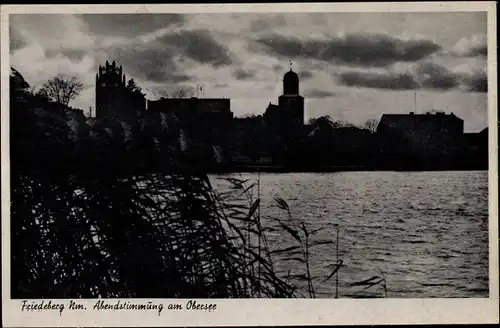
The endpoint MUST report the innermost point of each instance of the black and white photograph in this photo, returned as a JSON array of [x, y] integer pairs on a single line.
[[231, 155]]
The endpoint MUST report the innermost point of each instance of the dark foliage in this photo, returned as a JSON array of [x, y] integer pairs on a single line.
[[115, 209]]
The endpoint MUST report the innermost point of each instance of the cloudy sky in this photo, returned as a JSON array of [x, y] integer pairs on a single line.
[[353, 66]]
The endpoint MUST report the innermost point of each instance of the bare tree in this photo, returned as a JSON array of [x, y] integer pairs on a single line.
[[371, 125], [342, 124], [434, 111], [180, 92], [326, 122], [249, 115], [323, 121], [33, 90], [62, 88]]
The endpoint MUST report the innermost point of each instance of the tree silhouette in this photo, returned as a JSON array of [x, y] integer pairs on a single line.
[[180, 92], [62, 88], [17, 81], [327, 123], [132, 86], [18, 85], [371, 125]]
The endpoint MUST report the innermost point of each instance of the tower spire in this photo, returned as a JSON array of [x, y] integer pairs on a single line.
[[290, 64], [415, 102]]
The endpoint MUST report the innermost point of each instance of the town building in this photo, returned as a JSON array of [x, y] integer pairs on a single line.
[[475, 150], [205, 121], [288, 115], [212, 109], [112, 98], [422, 129], [420, 141]]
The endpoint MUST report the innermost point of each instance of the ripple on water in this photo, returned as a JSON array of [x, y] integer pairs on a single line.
[[426, 231]]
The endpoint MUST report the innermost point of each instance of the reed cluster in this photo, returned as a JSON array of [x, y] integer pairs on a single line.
[[147, 236]]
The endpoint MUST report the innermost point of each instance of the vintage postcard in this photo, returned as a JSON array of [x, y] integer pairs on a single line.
[[256, 164]]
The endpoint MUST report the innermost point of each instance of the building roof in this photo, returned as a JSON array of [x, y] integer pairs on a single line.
[[167, 99], [291, 76], [398, 119], [271, 108]]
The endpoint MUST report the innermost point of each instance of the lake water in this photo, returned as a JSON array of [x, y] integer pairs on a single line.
[[426, 233]]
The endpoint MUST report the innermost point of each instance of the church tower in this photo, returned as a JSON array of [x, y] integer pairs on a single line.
[[111, 94], [291, 104]]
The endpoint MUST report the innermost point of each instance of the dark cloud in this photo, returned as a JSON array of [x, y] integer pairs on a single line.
[[198, 45], [305, 75], [155, 60], [433, 76], [277, 68], [479, 50], [16, 39], [241, 74], [316, 93], [128, 25], [149, 63], [400, 81], [220, 85], [281, 45], [161, 76], [367, 50], [476, 82], [427, 75]]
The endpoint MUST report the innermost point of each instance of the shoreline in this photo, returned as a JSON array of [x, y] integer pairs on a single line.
[[328, 169]]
